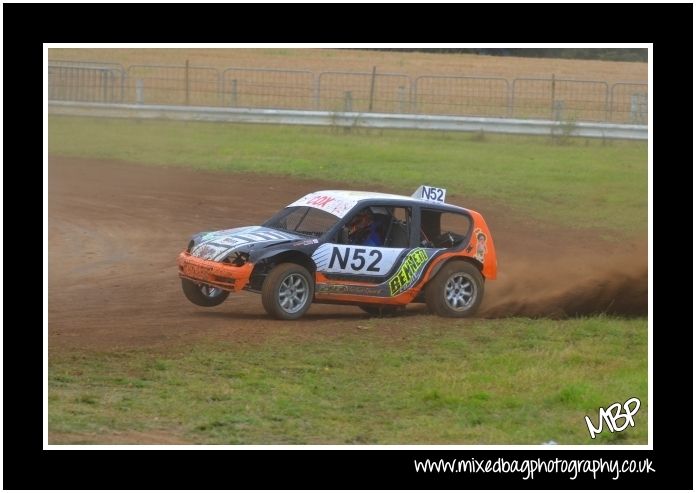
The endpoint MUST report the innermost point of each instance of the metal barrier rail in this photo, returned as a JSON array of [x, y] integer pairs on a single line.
[[352, 119]]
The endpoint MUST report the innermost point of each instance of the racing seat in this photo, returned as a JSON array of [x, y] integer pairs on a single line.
[[397, 236]]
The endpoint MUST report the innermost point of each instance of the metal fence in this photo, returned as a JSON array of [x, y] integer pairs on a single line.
[[559, 99], [172, 84], [364, 92], [628, 102], [268, 88], [466, 96], [85, 81], [527, 98]]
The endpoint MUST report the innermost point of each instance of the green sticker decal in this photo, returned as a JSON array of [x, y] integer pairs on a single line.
[[405, 276]]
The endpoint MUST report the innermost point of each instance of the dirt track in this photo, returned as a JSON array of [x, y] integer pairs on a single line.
[[115, 230]]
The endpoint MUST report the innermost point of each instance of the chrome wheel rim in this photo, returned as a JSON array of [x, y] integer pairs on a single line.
[[293, 293], [210, 291], [460, 291]]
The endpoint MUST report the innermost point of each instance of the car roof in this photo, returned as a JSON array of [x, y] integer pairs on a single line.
[[340, 202], [362, 195]]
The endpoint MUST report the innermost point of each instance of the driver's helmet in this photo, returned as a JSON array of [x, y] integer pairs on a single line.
[[360, 224]]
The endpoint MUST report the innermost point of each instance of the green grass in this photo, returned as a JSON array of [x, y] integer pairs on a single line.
[[585, 183], [513, 381]]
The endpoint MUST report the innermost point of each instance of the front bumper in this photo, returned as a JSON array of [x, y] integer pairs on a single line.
[[219, 274]]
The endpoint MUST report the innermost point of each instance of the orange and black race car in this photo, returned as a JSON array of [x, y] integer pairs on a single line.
[[374, 250]]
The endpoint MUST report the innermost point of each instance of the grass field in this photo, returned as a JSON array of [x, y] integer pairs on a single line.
[[514, 381], [585, 183]]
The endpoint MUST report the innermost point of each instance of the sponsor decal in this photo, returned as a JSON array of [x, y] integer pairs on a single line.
[[306, 242], [336, 204], [219, 244], [196, 271], [406, 275], [349, 259], [331, 288], [480, 245], [207, 252], [328, 288]]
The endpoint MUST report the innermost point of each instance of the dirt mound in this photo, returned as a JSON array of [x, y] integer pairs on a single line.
[[115, 229]]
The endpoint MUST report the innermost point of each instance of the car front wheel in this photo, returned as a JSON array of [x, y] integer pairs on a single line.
[[456, 291], [203, 294], [287, 291]]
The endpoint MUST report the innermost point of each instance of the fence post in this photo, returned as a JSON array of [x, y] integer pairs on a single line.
[[75, 89], [316, 79], [372, 86], [553, 93], [634, 108], [86, 93], [187, 82], [139, 91], [233, 93], [104, 83], [80, 84], [76, 85], [413, 95], [401, 97], [611, 104], [64, 84], [348, 102], [221, 89], [639, 105], [92, 91]]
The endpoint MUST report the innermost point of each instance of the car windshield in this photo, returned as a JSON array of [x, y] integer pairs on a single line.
[[307, 221]]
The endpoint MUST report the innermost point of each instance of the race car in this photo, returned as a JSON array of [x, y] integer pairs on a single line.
[[377, 251]]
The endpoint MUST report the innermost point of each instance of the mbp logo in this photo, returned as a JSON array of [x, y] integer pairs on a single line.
[[612, 414]]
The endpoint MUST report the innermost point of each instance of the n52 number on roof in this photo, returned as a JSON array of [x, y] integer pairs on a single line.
[[431, 194]]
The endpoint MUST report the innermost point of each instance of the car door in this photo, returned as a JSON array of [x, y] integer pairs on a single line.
[[348, 268]]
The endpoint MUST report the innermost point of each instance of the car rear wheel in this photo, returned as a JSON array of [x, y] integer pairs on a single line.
[[203, 294], [287, 291], [456, 291]]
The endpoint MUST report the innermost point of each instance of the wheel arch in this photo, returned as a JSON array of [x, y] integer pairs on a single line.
[[455, 258], [264, 265]]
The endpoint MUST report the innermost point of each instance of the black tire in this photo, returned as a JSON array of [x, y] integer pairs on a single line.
[[287, 291], [380, 310], [456, 291], [203, 294]]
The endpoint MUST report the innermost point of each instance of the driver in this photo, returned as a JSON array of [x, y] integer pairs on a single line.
[[365, 229]]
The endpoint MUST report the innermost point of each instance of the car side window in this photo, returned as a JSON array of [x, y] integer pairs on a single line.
[[443, 229], [379, 226], [304, 220], [399, 230]]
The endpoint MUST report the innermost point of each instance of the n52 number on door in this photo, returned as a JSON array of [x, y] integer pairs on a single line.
[[360, 260], [363, 259]]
